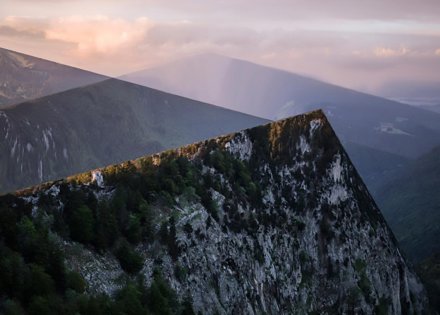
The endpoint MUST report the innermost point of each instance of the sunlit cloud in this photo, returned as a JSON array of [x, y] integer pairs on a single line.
[[116, 45], [98, 35], [25, 25], [390, 52]]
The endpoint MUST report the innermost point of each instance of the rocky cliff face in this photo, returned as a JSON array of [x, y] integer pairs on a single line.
[[270, 220]]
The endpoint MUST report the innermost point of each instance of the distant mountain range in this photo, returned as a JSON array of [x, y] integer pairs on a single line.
[[434, 108], [24, 77], [101, 124], [359, 118]]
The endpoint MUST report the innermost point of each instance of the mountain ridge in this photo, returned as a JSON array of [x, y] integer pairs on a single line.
[[101, 124], [272, 93], [270, 219], [25, 77]]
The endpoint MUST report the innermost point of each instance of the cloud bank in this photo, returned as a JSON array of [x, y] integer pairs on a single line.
[[363, 46]]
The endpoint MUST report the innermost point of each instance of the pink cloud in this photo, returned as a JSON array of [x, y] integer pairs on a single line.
[[390, 52], [98, 35], [117, 46]]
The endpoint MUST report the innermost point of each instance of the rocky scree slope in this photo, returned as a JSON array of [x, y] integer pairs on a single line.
[[270, 220]]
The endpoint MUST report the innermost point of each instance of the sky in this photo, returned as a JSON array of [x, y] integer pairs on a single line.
[[384, 47]]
